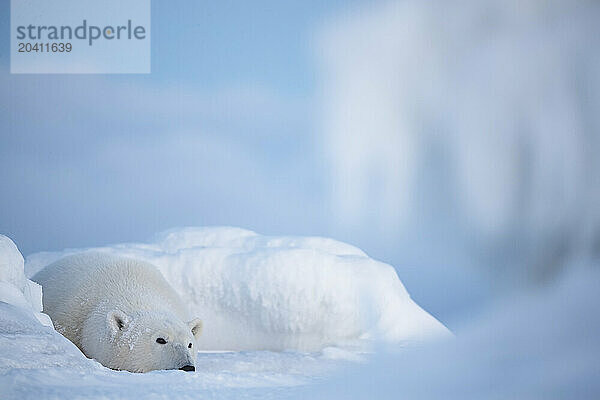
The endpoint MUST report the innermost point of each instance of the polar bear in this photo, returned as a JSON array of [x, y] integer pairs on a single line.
[[119, 311]]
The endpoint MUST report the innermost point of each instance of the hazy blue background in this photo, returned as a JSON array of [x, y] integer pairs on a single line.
[[219, 133], [457, 141]]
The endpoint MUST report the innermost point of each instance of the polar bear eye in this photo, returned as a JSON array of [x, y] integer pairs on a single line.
[[189, 346], [161, 341]]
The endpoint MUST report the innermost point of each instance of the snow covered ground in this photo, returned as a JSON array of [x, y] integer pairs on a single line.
[[541, 344], [295, 310]]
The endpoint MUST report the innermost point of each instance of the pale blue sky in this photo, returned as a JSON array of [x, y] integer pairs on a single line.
[[237, 73]]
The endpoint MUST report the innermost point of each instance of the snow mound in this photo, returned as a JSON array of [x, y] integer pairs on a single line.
[[27, 344], [27, 340], [15, 289], [256, 292]]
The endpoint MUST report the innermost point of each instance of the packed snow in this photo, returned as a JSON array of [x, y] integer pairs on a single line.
[[15, 289], [279, 313]]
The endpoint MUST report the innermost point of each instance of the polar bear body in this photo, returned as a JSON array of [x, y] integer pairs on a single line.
[[119, 311]]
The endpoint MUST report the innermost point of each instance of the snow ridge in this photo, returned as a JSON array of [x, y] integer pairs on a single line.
[[257, 292]]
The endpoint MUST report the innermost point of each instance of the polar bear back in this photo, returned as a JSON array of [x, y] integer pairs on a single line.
[[77, 286]]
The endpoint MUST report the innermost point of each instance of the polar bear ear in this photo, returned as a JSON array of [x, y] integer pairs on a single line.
[[196, 327], [117, 320]]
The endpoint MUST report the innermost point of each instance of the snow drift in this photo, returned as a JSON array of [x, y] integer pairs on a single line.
[[256, 292], [15, 289], [27, 339]]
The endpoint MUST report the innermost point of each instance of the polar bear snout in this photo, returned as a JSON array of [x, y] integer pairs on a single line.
[[187, 368]]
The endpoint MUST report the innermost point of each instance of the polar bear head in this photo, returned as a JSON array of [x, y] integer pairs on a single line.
[[146, 340]]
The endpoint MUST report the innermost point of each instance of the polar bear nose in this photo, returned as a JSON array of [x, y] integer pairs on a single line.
[[188, 368]]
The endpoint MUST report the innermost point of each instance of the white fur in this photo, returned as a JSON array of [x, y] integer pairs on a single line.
[[115, 308]]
